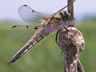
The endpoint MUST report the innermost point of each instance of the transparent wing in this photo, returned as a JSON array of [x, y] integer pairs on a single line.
[[30, 15], [22, 32]]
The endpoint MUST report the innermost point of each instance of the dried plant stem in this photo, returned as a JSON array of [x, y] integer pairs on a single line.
[[71, 43], [71, 8]]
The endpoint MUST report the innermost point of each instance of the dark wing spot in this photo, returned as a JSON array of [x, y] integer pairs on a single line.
[[27, 26], [36, 28], [25, 5], [33, 10], [13, 26]]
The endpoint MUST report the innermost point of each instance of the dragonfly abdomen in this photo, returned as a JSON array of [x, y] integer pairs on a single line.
[[31, 43]]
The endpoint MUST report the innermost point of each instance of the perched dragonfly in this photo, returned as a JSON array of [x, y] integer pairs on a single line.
[[48, 25]]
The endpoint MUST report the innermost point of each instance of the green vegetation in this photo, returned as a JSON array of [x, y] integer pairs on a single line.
[[46, 56]]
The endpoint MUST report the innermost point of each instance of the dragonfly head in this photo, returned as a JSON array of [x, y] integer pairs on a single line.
[[65, 15], [66, 20]]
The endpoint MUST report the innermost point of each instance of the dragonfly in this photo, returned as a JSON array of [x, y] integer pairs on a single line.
[[48, 25]]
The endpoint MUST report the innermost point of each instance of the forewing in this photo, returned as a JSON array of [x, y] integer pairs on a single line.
[[29, 15], [22, 32]]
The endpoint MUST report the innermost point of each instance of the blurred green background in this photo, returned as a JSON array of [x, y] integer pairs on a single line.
[[46, 56]]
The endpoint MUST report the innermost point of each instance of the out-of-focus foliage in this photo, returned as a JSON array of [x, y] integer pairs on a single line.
[[46, 56]]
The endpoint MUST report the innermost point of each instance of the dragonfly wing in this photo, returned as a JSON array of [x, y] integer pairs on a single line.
[[22, 32], [29, 15]]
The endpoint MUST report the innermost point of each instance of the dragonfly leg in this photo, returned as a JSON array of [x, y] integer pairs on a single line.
[[56, 39], [65, 27]]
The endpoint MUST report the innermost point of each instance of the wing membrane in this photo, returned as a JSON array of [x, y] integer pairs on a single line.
[[29, 15], [22, 32]]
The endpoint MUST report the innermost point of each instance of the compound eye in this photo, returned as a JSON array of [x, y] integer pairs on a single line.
[[63, 16], [65, 12]]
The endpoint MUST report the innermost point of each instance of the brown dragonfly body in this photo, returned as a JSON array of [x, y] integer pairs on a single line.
[[48, 25]]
